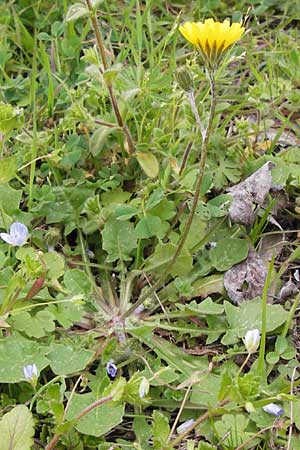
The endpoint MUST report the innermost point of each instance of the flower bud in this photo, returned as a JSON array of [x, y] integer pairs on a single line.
[[52, 238], [144, 387], [35, 288], [249, 407], [252, 340], [31, 373], [184, 79]]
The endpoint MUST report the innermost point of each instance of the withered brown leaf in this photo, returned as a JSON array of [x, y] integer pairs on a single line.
[[246, 280]]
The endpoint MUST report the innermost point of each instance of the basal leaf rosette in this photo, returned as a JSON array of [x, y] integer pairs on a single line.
[[212, 38]]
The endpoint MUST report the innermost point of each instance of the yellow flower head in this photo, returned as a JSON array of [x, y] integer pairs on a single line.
[[212, 38]]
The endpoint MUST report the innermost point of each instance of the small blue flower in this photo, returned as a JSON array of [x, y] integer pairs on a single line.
[[273, 409], [111, 369], [17, 235], [31, 373]]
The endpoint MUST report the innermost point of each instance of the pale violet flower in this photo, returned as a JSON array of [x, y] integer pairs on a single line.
[[273, 409], [144, 387], [31, 373], [17, 235], [185, 426], [111, 369], [251, 340]]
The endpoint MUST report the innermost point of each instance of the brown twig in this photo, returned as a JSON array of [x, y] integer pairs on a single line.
[[113, 100], [106, 124], [185, 157], [82, 413]]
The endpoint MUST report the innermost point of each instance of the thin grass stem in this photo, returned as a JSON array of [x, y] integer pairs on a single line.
[[262, 347]]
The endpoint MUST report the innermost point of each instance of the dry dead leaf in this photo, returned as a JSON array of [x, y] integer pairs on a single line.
[[288, 290], [246, 280], [285, 138], [249, 194], [270, 245]]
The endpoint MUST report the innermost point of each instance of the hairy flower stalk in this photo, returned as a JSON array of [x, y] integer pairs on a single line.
[[205, 140]]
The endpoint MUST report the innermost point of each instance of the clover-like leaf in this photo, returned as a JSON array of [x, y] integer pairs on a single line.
[[66, 313], [8, 168], [119, 239], [160, 429], [34, 325], [236, 425]]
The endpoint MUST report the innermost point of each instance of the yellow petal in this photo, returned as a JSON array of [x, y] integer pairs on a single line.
[[189, 31], [212, 37]]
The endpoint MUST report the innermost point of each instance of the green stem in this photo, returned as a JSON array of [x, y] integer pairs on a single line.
[[205, 140], [262, 348], [291, 315], [244, 363], [2, 144], [113, 100], [43, 388]]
